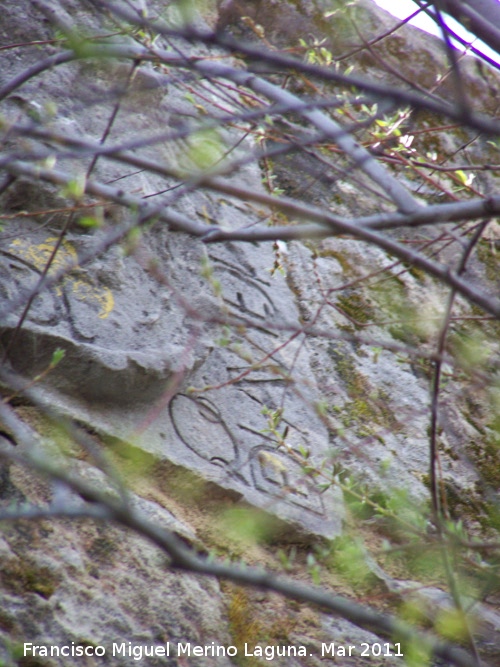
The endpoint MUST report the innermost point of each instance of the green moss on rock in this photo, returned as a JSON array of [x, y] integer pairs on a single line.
[[357, 308], [25, 576], [369, 406]]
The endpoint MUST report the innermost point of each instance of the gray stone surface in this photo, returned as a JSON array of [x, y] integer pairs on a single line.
[[127, 336], [148, 362], [92, 584]]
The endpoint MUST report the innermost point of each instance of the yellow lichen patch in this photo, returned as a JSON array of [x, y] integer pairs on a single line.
[[38, 254], [85, 291]]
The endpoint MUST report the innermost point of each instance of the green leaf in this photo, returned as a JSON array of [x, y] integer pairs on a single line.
[[89, 222], [205, 149], [57, 356], [75, 188], [249, 526], [304, 451]]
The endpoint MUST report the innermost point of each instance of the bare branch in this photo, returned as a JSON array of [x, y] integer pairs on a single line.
[[183, 558], [481, 18], [180, 222], [379, 138], [273, 58]]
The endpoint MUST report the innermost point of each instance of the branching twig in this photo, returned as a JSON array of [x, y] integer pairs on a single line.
[[185, 559]]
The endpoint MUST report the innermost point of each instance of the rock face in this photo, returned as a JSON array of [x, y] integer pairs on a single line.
[[129, 339], [253, 414], [97, 586]]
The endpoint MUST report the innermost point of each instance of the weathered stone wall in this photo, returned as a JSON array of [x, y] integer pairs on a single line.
[[139, 341]]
